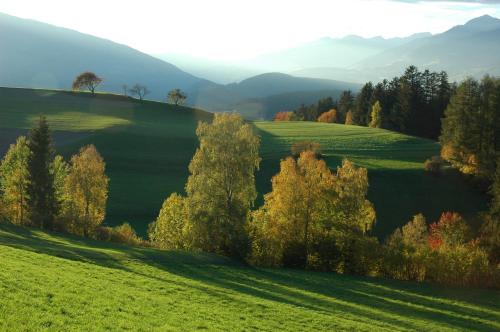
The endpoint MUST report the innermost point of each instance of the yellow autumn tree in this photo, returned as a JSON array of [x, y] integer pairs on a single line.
[[308, 203], [292, 211], [169, 231], [85, 192], [328, 117], [376, 115], [353, 210], [348, 118], [14, 182]]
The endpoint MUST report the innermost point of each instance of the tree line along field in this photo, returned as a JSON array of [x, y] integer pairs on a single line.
[[148, 145], [79, 283]]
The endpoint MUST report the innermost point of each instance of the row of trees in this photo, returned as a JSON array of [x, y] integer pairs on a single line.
[[443, 252], [90, 81], [313, 217], [413, 103], [470, 141], [39, 188]]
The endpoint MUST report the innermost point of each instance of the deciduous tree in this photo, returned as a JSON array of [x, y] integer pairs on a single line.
[[376, 115], [328, 117], [221, 187], [86, 191], [87, 80], [139, 90], [59, 169], [176, 97], [14, 182], [309, 204], [349, 118], [170, 230]]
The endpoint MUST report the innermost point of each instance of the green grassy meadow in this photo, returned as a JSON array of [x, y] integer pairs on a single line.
[[147, 147], [54, 282]]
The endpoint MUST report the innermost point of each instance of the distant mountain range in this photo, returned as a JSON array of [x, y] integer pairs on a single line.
[[38, 55], [467, 50], [471, 49]]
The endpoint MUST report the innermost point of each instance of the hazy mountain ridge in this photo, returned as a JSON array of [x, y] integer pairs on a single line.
[[39, 55], [35, 54], [466, 50]]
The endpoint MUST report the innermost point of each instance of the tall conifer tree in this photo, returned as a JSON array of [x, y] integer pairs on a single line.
[[42, 203]]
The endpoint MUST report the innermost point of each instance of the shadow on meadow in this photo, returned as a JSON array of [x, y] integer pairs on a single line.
[[380, 303], [397, 193]]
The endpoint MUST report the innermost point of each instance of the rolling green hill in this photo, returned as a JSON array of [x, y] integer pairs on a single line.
[[147, 147], [53, 282]]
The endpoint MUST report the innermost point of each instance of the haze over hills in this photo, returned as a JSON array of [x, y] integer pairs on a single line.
[[467, 50], [325, 52], [329, 52], [38, 55], [261, 96], [464, 50]]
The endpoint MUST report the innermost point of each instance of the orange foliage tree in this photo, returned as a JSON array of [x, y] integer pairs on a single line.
[[282, 116], [328, 117]]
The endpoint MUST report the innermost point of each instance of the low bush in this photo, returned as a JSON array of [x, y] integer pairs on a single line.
[[302, 146], [434, 165], [124, 234]]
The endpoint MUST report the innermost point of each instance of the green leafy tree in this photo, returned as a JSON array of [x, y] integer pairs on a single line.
[[86, 192], [42, 202], [376, 115], [221, 187], [14, 183]]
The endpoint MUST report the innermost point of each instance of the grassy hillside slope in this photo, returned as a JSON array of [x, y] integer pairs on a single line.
[[399, 187], [147, 147], [51, 282]]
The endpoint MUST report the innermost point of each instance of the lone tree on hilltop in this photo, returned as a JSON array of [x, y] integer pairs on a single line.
[[139, 90], [176, 97], [87, 80]]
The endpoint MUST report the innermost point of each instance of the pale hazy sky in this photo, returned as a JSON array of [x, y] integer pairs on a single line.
[[233, 29]]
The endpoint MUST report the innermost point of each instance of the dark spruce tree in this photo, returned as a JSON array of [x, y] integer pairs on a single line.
[[470, 138], [41, 189], [362, 105]]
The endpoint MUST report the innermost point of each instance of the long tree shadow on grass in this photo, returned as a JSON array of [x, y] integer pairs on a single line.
[[380, 303], [392, 304]]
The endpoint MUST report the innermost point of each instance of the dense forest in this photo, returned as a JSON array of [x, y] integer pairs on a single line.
[[413, 103]]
